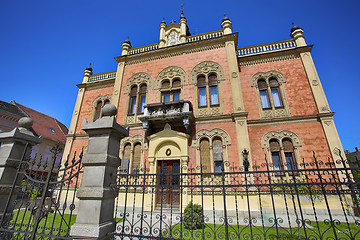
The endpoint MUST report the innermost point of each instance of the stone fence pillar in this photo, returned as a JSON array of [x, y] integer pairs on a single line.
[[97, 198], [15, 146]]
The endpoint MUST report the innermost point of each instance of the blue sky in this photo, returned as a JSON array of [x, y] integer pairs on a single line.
[[45, 45]]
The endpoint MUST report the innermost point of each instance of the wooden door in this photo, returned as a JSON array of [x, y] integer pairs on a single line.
[[168, 182]]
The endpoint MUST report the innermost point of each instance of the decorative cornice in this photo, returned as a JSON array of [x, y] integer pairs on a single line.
[[180, 49], [97, 85], [286, 120]]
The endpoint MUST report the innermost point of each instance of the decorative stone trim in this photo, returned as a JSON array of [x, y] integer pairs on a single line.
[[211, 134], [273, 112], [267, 60], [138, 79], [280, 136], [133, 140], [101, 99], [154, 55], [206, 67], [170, 73], [267, 75]]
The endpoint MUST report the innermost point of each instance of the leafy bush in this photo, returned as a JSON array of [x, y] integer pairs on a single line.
[[193, 216]]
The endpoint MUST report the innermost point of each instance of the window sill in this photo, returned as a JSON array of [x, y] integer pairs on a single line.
[[215, 105]]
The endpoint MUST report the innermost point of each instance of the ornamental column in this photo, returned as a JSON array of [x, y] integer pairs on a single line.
[[100, 163], [15, 146], [162, 40], [183, 22]]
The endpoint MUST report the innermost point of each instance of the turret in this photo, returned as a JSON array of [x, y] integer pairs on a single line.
[[183, 28], [87, 73], [125, 47], [162, 40], [226, 25], [297, 34]]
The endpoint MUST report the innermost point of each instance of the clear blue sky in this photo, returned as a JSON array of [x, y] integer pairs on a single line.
[[45, 45]]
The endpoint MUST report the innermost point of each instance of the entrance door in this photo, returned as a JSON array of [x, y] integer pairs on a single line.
[[168, 181]]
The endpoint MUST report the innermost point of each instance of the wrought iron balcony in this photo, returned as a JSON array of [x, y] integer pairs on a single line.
[[175, 113]]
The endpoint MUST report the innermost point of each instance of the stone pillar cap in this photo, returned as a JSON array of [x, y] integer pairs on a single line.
[[25, 122], [109, 110]]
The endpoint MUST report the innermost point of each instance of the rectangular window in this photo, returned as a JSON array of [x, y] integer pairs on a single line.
[[166, 97], [276, 97], [264, 99], [202, 96], [133, 105], [142, 103], [214, 95], [276, 160], [290, 161], [176, 96]]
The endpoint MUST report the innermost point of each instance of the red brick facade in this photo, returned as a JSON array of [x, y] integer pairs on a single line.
[[302, 119]]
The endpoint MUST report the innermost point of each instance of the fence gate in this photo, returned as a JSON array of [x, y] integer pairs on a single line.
[[42, 199]]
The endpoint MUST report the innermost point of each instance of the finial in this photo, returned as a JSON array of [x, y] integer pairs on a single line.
[[225, 18], [25, 122], [163, 21], [127, 40], [294, 27], [89, 67], [109, 110], [182, 12]]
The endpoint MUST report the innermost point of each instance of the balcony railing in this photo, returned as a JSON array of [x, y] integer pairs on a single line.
[[204, 36], [146, 48], [266, 48], [102, 76], [176, 111]]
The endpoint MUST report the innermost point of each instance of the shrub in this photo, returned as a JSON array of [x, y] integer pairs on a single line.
[[193, 216]]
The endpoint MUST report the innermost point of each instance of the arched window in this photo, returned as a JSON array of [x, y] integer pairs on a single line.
[[217, 155], [126, 158], [205, 155], [98, 104], [211, 148], [283, 149], [207, 90], [170, 91], [289, 154], [136, 158], [271, 94], [275, 154], [97, 110]]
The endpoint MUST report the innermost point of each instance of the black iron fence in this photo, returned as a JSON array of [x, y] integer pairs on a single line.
[[42, 199], [319, 200]]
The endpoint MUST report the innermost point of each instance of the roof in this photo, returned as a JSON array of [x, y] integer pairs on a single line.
[[44, 125], [12, 109]]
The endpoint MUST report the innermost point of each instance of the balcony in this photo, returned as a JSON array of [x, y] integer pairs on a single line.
[[175, 113]]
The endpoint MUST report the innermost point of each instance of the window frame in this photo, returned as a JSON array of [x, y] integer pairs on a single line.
[[282, 108], [171, 89], [207, 85], [135, 97]]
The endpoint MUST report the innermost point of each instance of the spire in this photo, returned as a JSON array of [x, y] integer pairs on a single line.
[[182, 12]]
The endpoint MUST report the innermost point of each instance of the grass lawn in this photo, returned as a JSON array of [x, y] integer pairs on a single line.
[[53, 224], [211, 231]]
